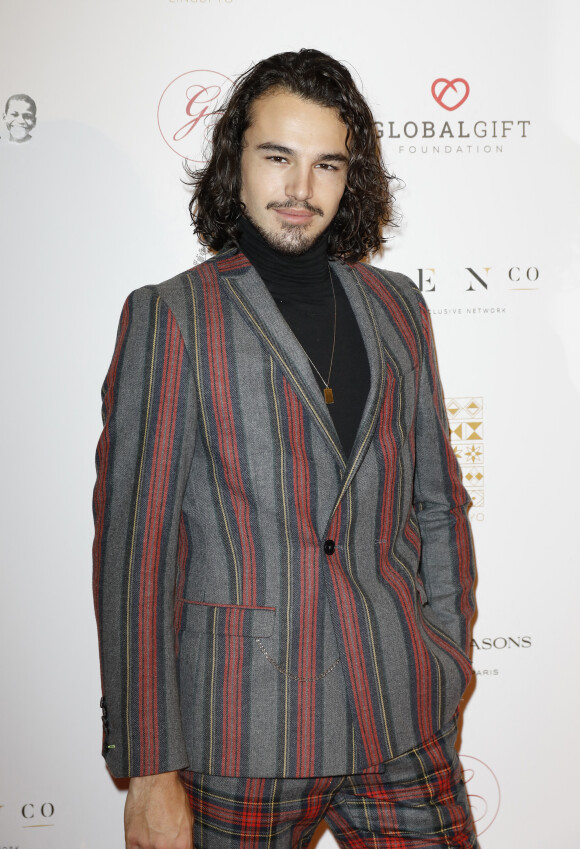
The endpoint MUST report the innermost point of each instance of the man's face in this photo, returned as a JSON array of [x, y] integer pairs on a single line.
[[20, 119], [294, 167]]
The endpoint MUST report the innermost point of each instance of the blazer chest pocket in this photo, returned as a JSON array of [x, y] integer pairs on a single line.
[[230, 619]]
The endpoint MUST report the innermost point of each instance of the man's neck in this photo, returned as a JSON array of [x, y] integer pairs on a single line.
[[303, 277]]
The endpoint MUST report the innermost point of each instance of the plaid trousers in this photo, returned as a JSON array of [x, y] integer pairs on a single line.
[[418, 801]]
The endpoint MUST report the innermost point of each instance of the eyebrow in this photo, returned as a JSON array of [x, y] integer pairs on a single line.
[[287, 151]]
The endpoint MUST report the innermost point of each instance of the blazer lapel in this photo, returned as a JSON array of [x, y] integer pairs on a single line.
[[251, 296], [358, 296]]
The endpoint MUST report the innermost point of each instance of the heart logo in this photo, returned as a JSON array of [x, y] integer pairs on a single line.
[[450, 94]]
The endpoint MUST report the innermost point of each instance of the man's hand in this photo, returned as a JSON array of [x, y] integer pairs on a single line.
[[157, 813]]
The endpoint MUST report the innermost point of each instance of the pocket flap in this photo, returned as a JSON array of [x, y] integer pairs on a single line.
[[233, 619]]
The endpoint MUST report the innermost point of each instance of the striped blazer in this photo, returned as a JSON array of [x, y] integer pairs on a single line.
[[266, 605]]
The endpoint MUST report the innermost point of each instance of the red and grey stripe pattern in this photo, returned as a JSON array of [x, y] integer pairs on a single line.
[[155, 431], [232, 640]]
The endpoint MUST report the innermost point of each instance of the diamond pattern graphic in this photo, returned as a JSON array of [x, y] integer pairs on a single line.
[[466, 428]]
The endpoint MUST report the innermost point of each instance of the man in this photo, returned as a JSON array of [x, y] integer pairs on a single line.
[[19, 117], [283, 561]]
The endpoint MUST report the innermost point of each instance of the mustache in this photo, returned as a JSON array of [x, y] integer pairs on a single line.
[[292, 204]]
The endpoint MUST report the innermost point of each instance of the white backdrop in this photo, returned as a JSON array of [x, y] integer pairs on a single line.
[[93, 206]]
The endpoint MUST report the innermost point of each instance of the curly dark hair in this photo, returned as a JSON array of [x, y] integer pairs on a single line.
[[367, 204]]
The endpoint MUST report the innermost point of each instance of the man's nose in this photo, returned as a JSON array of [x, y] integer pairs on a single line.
[[299, 183]]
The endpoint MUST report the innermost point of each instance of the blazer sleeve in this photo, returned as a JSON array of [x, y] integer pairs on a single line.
[[143, 458], [447, 565]]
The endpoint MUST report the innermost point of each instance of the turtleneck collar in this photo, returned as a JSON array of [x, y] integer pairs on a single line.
[[303, 278]]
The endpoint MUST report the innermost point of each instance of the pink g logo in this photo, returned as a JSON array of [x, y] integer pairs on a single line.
[[187, 111], [483, 792], [450, 94]]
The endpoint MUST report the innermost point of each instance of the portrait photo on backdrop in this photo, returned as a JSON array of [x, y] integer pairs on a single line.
[[19, 117], [283, 559]]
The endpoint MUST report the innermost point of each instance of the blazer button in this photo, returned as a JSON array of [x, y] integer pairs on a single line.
[[329, 546]]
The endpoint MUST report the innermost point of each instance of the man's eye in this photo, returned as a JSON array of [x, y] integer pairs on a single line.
[[277, 158], [326, 166]]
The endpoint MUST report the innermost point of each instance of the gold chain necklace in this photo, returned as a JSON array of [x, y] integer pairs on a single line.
[[328, 394]]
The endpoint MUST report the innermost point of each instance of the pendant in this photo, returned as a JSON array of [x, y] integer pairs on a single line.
[[328, 396]]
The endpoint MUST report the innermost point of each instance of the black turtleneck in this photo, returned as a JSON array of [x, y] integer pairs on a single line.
[[301, 287]]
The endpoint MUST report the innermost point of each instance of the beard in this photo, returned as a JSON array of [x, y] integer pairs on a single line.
[[292, 239]]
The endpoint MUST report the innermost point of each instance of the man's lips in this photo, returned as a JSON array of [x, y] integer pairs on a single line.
[[295, 216], [302, 214]]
